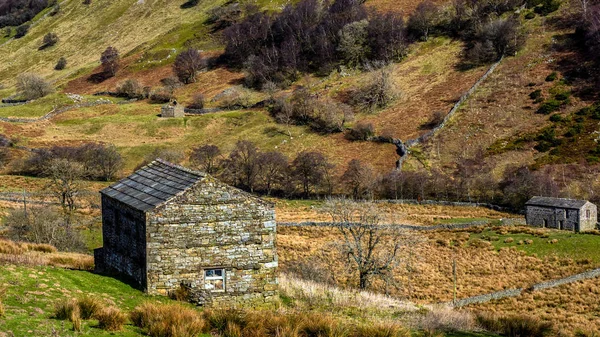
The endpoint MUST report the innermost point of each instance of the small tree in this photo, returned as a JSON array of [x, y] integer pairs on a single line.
[[109, 162], [49, 40], [187, 64], [359, 179], [61, 64], [242, 165], [206, 157], [110, 61], [197, 102], [32, 86], [310, 170], [422, 20], [370, 248], [378, 93], [65, 176], [131, 88], [272, 169], [353, 43]]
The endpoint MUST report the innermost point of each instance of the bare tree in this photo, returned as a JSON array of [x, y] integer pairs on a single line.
[[378, 93], [370, 248], [187, 64], [422, 20], [310, 170], [241, 167], [206, 157], [110, 61], [359, 178], [65, 183], [272, 167], [32, 86]]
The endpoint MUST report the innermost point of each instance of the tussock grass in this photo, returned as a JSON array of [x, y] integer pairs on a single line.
[[66, 309], [173, 320], [516, 325], [89, 306], [444, 318], [111, 319]]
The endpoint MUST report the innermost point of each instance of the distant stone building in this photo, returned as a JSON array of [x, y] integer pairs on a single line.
[[558, 213], [172, 110], [166, 226]]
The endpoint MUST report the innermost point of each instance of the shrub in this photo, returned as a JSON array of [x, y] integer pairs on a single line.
[[535, 94], [61, 64], [197, 102], [173, 320], [552, 77], [49, 40], [574, 130], [548, 107], [110, 61], [32, 86], [187, 64], [131, 88], [89, 306], [161, 95], [562, 96], [556, 118], [547, 7], [21, 31], [422, 20], [111, 319], [378, 93], [529, 15], [361, 131]]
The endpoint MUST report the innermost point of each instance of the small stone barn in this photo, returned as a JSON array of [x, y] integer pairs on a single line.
[[172, 110], [166, 226], [558, 213]]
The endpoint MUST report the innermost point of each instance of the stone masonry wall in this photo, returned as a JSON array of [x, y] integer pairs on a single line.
[[211, 226], [588, 223], [124, 240], [553, 217]]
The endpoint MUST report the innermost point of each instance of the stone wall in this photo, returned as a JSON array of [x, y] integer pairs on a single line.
[[212, 226], [124, 241], [588, 223], [549, 217]]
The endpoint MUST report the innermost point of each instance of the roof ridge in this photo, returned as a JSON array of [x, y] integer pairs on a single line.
[[179, 167]]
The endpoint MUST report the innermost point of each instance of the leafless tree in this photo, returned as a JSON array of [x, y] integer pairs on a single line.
[[65, 184], [241, 167], [206, 157], [359, 178], [371, 249], [310, 170], [110, 61], [378, 93], [32, 86], [422, 20], [187, 64], [272, 167]]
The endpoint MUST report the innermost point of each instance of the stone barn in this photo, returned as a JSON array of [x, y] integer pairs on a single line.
[[166, 226], [558, 213], [172, 110]]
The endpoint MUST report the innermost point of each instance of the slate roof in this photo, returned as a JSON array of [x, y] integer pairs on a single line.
[[556, 202], [153, 185]]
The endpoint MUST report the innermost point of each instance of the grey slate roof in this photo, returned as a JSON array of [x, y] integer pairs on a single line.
[[153, 185], [556, 202]]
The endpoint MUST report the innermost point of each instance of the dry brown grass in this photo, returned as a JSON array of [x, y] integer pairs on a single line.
[[23, 253], [570, 307], [66, 309], [480, 268], [111, 319], [395, 213], [89, 306], [173, 320], [444, 318]]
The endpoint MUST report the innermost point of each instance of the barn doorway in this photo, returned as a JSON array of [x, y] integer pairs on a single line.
[[561, 224], [545, 224]]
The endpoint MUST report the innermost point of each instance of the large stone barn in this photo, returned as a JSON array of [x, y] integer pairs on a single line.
[[166, 227], [558, 213]]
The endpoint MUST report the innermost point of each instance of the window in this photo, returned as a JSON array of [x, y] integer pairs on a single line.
[[214, 279], [588, 213]]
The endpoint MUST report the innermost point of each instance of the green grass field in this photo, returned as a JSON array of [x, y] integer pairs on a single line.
[[577, 246], [29, 295]]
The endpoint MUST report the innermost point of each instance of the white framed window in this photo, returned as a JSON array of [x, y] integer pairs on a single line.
[[214, 279]]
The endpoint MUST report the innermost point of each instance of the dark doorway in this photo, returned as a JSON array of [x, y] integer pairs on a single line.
[[561, 224], [545, 224]]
